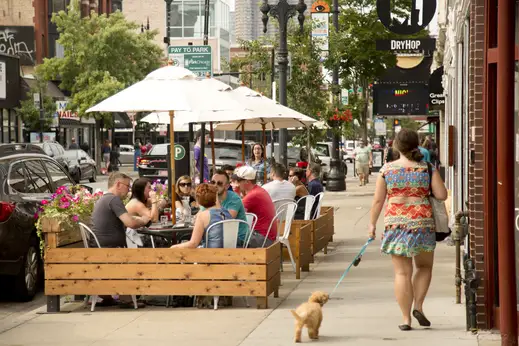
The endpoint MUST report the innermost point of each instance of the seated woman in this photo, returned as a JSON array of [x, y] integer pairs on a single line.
[[295, 176], [184, 188], [144, 202], [207, 197]]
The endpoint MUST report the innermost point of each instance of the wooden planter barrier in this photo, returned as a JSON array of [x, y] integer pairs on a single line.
[[329, 212], [301, 244], [321, 231], [200, 272]]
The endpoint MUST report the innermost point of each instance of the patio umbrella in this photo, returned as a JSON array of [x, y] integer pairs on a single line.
[[263, 113], [170, 89]]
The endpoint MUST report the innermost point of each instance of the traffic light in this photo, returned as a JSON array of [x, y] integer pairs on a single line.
[[396, 122]]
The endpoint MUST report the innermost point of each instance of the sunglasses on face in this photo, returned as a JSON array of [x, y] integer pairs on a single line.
[[218, 183], [184, 184]]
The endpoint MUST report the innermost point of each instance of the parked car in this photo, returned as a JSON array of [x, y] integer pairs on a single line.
[[27, 176], [127, 153], [154, 165], [54, 150], [81, 166], [323, 150], [227, 152], [293, 154], [349, 150]]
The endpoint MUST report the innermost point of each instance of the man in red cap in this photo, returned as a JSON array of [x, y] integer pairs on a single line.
[[257, 201]]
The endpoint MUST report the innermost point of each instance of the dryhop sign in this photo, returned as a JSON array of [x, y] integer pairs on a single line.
[[405, 44]]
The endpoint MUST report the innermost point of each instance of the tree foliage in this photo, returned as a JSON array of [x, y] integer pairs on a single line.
[[102, 55], [30, 114]]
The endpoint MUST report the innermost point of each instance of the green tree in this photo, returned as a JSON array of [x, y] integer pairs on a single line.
[[30, 114], [353, 48], [102, 55]]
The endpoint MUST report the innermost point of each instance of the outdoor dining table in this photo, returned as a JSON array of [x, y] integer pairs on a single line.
[[176, 233]]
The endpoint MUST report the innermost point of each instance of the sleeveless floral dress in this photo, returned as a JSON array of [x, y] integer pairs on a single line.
[[409, 227]]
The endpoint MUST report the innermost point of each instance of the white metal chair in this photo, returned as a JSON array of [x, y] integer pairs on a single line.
[[308, 201], [252, 220], [279, 202], [319, 199], [86, 234], [285, 213], [230, 241]]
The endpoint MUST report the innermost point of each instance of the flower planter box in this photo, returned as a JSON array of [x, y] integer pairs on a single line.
[[200, 272], [300, 244], [66, 233]]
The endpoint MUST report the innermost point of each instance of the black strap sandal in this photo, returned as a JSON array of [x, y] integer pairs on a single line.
[[422, 320], [405, 327]]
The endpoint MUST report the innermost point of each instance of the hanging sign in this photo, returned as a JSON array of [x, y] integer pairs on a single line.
[[418, 19], [320, 11]]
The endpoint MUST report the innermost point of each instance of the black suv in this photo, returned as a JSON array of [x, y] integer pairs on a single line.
[[27, 176]]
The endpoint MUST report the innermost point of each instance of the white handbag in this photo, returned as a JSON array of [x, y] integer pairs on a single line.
[[441, 218]]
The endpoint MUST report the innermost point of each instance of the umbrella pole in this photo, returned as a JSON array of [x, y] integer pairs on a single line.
[[243, 141], [172, 163], [212, 147], [264, 155], [309, 156]]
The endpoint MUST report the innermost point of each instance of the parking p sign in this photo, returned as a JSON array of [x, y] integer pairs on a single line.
[[180, 152]]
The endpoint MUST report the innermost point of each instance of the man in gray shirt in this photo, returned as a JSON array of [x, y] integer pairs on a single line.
[[110, 217]]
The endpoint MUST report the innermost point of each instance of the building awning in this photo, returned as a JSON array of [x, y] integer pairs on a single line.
[[122, 120], [51, 89]]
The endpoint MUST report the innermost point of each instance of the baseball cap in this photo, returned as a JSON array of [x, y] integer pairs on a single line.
[[244, 173]]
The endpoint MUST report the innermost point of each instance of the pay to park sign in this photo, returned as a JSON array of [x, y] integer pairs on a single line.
[[197, 59]]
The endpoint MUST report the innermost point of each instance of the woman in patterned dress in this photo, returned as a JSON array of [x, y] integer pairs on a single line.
[[408, 223]]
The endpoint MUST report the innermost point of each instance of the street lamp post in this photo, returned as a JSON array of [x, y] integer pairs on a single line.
[[283, 12], [336, 179]]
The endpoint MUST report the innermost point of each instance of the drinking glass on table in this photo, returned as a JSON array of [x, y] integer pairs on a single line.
[[164, 220]]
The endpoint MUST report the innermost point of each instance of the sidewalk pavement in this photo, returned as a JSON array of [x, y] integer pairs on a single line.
[[363, 310]]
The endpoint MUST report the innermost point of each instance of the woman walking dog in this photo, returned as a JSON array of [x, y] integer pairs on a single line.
[[409, 229]]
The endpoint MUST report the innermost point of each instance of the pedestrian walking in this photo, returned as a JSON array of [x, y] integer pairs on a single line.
[[409, 229], [106, 149], [363, 160], [136, 154]]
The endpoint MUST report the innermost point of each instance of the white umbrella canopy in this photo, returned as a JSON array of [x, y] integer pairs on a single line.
[[170, 89], [163, 118], [263, 111]]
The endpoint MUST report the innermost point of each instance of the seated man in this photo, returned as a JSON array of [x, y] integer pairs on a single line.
[[279, 188], [232, 202], [257, 201], [313, 172], [110, 220]]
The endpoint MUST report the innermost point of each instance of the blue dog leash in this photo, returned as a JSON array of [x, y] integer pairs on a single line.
[[355, 262]]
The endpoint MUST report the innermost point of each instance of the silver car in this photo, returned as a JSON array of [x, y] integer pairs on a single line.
[[127, 153]]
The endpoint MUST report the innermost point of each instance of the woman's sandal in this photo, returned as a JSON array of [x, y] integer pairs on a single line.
[[405, 327], [422, 320]]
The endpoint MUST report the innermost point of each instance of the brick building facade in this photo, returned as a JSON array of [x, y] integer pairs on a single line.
[[478, 57]]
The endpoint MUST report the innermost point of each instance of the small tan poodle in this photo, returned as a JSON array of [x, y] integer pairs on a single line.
[[310, 314]]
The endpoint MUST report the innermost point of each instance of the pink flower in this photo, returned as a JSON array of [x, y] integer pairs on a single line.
[[75, 218], [36, 215], [65, 205], [64, 199], [44, 202]]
